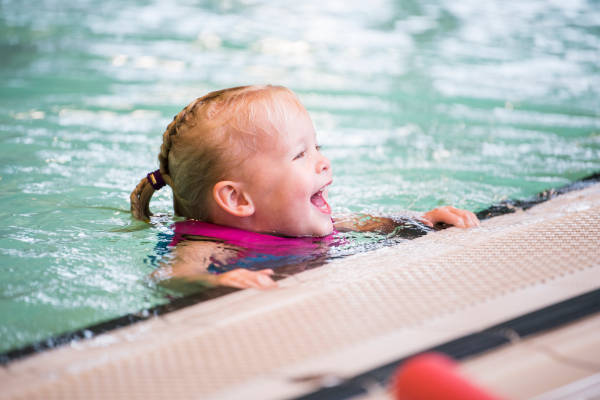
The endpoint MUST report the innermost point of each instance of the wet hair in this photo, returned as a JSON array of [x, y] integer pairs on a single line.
[[209, 138]]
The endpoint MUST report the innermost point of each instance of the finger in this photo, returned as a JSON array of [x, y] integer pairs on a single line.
[[251, 279], [266, 271], [265, 281], [469, 219], [464, 217], [427, 222], [258, 279], [238, 278], [243, 279], [247, 282], [452, 219], [235, 283], [253, 284], [474, 219]]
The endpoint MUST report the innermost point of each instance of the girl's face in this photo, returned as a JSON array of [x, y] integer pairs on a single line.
[[288, 179]]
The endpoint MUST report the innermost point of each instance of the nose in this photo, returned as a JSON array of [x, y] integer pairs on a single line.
[[323, 164]]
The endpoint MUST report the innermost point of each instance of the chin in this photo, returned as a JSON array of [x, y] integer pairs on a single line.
[[324, 230], [319, 231], [317, 227]]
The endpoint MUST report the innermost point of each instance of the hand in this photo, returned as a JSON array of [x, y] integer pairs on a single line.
[[243, 278], [450, 215]]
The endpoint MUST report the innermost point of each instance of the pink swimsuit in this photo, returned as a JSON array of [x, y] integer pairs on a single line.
[[256, 250]]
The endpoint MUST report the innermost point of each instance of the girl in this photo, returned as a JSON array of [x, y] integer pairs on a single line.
[[244, 167]]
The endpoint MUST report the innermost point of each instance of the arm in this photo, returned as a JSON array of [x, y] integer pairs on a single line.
[[192, 259], [364, 223], [369, 223]]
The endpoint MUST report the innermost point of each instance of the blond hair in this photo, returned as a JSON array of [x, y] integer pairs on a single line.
[[207, 139]]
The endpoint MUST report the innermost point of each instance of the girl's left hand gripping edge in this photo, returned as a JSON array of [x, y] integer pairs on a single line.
[[243, 279], [451, 216]]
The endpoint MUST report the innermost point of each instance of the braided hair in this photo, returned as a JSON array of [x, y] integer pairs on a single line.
[[205, 140]]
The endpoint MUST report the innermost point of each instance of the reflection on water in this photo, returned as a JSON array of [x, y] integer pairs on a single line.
[[416, 103]]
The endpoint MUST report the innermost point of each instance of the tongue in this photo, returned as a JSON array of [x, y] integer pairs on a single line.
[[319, 202]]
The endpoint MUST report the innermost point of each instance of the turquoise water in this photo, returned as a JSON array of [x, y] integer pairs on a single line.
[[416, 103]]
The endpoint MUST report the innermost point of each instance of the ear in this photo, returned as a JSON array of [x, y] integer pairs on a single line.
[[233, 199]]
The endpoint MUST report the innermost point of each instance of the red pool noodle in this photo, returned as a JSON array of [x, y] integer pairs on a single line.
[[434, 376]]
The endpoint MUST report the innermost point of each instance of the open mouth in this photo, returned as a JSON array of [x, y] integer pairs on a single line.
[[319, 200]]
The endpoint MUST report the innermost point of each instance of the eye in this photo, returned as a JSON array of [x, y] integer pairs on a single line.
[[318, 147], [300, 155]]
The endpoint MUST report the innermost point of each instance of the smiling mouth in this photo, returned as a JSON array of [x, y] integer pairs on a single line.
[[318, 200]]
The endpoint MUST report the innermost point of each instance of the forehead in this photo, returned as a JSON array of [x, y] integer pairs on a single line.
[[285, 123]]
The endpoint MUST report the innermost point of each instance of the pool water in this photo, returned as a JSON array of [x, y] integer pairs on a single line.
[[417, 104]]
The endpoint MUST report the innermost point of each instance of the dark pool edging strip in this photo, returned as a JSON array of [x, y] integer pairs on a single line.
[[112, 324], [510, 206], [505, 207], [538, 321]]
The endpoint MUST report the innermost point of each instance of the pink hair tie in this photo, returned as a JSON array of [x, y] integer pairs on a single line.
[[156, 179]]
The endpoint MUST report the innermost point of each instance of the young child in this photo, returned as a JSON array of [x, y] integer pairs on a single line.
[[244, 165]]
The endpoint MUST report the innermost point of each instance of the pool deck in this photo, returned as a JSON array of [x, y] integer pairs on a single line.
[[355, 314]]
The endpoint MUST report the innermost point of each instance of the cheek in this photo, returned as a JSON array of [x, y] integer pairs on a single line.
[[288, 189], [301, 188]]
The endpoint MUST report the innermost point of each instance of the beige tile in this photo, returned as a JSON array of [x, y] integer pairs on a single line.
[[541, 363]]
